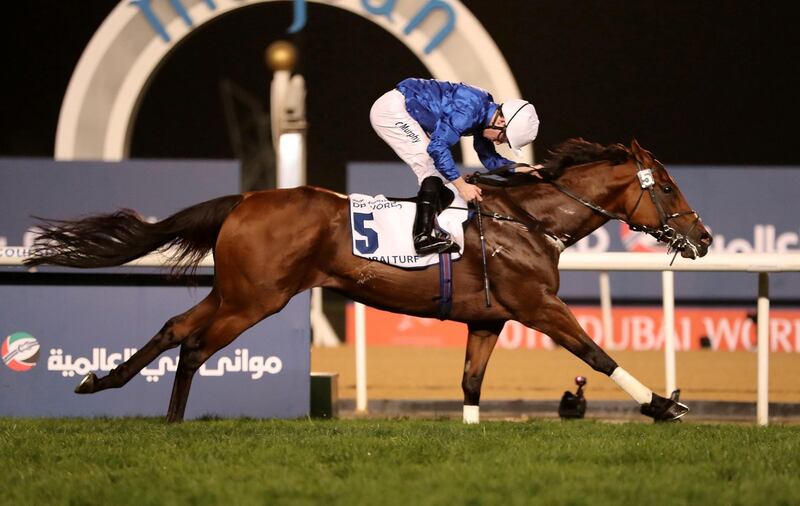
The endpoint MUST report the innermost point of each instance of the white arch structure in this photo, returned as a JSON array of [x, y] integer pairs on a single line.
[[112, 75]]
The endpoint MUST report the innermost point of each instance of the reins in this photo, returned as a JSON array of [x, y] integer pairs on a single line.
[[528, 221], [664, 233]]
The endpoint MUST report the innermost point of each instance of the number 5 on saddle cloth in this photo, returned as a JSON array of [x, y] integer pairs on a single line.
[[381, 230]]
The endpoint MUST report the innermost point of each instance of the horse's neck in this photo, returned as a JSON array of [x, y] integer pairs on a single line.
[[563, 216]]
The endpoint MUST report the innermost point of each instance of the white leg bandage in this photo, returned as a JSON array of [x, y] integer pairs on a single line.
[[472, 414], [639, 392]]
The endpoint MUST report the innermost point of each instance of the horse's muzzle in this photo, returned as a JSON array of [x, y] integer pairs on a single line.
[[692, 249]]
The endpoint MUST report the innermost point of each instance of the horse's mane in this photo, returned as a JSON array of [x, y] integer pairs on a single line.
[[572, 152], [578, 151]]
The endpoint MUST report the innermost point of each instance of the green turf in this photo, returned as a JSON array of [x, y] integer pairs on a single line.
[[385, 462]]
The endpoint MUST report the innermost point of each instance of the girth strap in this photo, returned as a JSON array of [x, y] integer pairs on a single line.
[[445, 285]]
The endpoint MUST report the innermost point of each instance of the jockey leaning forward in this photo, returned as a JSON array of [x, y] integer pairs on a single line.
[[421, 119]]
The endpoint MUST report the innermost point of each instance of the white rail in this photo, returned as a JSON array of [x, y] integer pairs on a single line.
[[762, 263], [14, 255]]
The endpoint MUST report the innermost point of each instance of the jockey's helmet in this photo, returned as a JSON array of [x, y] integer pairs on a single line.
[[522, 123]]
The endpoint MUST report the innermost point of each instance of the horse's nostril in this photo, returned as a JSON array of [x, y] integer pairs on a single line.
[[706, 239]]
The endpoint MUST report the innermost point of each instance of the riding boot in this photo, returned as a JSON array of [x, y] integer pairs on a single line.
[[425, 241]]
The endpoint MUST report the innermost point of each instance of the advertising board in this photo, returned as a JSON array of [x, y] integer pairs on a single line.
[[56, 327]]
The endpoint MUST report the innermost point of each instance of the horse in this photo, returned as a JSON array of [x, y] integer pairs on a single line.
[[269, 245]]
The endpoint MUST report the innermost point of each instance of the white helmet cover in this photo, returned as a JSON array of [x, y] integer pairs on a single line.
[[522, 123]]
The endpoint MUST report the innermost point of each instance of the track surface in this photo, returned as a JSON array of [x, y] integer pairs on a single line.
[[435, 373]]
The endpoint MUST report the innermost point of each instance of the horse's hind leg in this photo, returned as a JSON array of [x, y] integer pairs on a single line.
[[480, 343], [226, 325], [174, 331], [557, 321]]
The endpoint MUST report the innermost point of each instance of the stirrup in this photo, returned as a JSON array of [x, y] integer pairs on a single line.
[[428, 245]]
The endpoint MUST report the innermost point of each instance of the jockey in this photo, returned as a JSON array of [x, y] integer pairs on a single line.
[[422, 119]]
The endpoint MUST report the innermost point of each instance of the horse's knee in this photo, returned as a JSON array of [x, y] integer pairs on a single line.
[[599, 361]]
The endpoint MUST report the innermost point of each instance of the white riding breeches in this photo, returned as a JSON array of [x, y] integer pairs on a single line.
[[403, 134]]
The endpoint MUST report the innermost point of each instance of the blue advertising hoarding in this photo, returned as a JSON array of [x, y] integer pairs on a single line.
[[53, 334], [81, 329], [155, 188], [748, 210]]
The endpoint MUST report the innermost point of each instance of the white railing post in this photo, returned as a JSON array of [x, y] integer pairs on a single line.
[[605, 307], [762, 404], [323, 333], [361, 357], [668, 282]]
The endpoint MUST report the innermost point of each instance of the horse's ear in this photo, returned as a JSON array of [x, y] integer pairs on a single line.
[[639, 153], [636, 149]]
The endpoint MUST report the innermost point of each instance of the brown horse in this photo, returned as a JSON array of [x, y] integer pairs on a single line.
[[270, 245]]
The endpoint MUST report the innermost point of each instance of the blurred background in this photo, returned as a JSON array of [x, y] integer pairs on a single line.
[[696, 83]]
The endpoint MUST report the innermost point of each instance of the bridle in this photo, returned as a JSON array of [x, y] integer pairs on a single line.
[[665, 233]]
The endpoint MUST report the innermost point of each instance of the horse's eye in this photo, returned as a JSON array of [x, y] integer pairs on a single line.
[[667, 189]]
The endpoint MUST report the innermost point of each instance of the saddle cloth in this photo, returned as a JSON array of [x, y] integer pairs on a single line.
[[382, 230]]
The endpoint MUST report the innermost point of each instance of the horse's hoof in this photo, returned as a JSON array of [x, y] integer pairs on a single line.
[[86, 386], [662, 409]]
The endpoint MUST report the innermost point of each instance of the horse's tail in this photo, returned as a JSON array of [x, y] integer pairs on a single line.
[[106, 240]]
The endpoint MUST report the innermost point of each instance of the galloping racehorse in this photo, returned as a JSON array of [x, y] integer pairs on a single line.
[[270, 245]]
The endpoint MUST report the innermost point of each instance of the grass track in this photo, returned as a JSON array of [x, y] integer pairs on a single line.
[[385, 462]]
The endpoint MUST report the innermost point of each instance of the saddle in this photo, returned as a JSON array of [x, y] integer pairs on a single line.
[[381, 228]]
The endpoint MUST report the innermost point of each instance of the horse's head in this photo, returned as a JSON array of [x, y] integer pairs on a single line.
[[654, 204], [636, 189]]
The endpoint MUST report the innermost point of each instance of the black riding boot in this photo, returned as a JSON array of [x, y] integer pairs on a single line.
[[425, 241]]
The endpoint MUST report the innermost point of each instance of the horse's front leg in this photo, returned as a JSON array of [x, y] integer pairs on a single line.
[[555, 319], [480, 343]]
